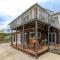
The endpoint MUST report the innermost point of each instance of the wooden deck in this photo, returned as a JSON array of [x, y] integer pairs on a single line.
[[32, 51]]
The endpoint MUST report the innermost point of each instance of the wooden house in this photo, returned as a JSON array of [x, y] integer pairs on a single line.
[[34, 30]]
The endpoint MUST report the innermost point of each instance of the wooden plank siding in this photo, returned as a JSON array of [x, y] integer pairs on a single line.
[[36, 12], [29, 15], [35, 20]]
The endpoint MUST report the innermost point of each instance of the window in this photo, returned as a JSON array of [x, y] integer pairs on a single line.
[[34, 12], [39, 35], [56, 18], [30, 14], [59, 36], [41, 14], [52, 19], [26, 18], [45, 15], [32, 35], [18, 21]]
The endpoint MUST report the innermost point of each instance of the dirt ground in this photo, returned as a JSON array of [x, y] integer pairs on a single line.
[[9, 53]]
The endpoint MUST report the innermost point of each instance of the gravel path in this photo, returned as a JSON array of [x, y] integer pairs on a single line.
[[9, 53]]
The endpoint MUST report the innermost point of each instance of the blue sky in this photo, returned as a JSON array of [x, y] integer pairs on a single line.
[[10, 9], [53, 5]]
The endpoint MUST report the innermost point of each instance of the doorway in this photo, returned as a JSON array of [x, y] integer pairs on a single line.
[[52, 41], [26, 39]]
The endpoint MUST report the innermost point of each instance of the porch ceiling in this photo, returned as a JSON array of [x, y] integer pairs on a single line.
[[31, 26]]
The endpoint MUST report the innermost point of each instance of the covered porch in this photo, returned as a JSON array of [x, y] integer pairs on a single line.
[[33, 38]]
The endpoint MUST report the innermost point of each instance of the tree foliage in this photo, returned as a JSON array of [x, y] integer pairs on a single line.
[[4, 37]]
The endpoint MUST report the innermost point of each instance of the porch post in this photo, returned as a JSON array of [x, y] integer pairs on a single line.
[[20, 35], [59, 37], [11, 38], [16, 36], [23, 37], [48, 35], [55, 37], [36, 36]]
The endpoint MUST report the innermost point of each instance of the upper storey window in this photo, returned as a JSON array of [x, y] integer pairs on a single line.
[[26, 18], [30, 14], [45, 15], [41, 15], [35, 12], [56, 18], [18, 21]]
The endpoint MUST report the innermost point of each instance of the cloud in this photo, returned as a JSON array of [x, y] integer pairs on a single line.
[[10, 9], [13, 7], [53, 5], [4, 20]]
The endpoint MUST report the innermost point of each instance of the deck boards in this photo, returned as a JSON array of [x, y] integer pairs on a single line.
[[32, 51]]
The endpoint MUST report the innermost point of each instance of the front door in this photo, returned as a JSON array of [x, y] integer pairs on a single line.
[[25, 39], [52, 40]]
